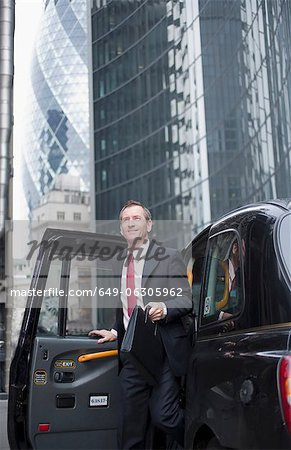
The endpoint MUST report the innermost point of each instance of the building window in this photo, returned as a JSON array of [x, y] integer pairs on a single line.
[[77, 216], [75, 199], [60, 215]]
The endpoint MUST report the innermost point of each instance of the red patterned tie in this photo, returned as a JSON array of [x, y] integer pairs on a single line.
[[131, 298]]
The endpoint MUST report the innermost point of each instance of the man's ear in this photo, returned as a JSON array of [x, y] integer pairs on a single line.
[[121, 232], [149, 226]]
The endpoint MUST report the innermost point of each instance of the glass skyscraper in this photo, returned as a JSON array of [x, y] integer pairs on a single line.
[[132, 106], [57, 139], [247, 95], [191, 105]]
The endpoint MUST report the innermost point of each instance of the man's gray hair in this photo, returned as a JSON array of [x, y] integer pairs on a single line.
[[129, 203]]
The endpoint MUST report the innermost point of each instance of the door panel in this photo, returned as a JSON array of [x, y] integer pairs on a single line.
[[61, 390], [72, 292]]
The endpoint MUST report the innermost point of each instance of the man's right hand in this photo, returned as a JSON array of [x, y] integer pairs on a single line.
[[106, 335]]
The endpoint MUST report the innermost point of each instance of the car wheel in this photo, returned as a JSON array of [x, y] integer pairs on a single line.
[[214, 444]]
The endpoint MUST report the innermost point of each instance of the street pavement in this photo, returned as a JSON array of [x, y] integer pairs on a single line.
[[3, 433]]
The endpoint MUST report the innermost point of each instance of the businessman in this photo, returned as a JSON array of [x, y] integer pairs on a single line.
[[150, 270]]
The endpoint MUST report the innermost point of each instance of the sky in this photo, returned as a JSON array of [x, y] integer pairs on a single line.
[[27, 19]]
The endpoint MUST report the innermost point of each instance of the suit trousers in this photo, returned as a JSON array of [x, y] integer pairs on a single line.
[[142, 404]]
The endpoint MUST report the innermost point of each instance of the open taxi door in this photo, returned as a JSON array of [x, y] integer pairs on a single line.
[[63, 391]]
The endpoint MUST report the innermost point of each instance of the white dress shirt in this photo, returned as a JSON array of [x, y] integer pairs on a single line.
[[139, 260]]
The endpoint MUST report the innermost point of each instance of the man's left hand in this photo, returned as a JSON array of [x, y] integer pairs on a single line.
[[157, 311]]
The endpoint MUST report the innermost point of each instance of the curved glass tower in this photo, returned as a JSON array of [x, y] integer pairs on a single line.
[[57, 139], [192, 105]]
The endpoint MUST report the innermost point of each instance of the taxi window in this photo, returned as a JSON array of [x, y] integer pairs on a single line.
[[223, 289], [285, 242], [91, 296], [48, 319], [85, 289]]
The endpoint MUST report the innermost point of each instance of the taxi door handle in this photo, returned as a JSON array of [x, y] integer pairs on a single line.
[[99, 355]]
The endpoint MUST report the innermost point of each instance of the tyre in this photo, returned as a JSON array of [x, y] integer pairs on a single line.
[[214, 444]]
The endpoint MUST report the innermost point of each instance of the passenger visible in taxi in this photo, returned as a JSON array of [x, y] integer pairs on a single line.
[[232, 282], [222, 285]]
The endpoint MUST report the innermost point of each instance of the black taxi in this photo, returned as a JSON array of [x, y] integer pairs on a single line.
[[63, 387], [239, 378]]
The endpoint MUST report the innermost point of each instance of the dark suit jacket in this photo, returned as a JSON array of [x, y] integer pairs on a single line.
[[167, 273]]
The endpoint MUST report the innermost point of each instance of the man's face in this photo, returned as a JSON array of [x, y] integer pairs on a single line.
[[134, 226]]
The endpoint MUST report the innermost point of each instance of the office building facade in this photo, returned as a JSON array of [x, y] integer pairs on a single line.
[[131, 97], [247, 98], [191, 105], [57, 138]]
